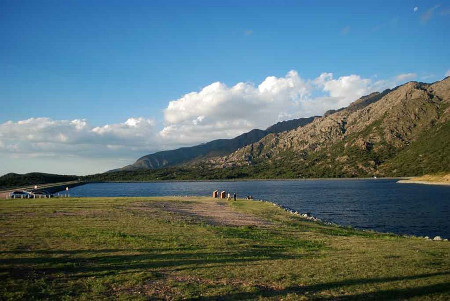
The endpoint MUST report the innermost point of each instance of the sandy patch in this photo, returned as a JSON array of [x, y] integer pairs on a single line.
[[437, 179], [212, 212]]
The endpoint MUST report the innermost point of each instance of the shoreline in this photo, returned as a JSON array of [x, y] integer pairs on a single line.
[[50, 187], [303, 215], [308, 216], [254, 180], [423, 182]]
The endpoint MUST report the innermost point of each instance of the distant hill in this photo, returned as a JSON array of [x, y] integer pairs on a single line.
[[12, 180], [220, 147]]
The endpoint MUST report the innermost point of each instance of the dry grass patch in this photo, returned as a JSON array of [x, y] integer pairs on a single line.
[[437, 179], [213, 212]]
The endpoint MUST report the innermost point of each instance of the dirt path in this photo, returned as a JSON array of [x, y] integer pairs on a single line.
[[214, 212]]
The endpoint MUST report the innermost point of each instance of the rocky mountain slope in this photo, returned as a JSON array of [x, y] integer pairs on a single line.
[[220, 147], [404, 131]]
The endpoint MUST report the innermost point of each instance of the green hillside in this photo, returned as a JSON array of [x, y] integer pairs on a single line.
[[429, 154], [20, 180]]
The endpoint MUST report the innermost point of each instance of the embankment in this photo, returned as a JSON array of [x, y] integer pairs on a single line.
[[51, 188]]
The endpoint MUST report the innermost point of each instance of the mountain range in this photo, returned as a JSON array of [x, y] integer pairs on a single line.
[[220, 147], [400, 132]]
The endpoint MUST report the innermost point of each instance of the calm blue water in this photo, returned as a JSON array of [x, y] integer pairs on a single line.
[[381, 205]]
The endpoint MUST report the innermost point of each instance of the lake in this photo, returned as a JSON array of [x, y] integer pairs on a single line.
[[378, 204]]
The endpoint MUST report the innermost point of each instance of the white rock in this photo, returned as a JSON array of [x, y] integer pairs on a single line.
[[437, 238]]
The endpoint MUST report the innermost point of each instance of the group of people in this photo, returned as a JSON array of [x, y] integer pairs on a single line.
[[249, 197], [224, 195], [234, 196]]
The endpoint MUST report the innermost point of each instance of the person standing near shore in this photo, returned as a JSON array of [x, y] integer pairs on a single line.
[[234, 196]]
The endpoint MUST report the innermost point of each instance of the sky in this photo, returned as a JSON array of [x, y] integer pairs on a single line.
[[88, 86]]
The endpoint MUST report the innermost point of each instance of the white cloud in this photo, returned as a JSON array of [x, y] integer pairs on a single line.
[[75, 132], [69, 139], [219, 111], [405, 77], [135, 131], [415, 8], [216, 111], [345, 89]]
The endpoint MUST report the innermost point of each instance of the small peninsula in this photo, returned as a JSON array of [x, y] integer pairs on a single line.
[[437, 179]]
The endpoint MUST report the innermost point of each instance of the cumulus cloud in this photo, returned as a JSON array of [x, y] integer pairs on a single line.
[[215, 111], [405, 77], [346, 88], [47, 137], [219, 111]]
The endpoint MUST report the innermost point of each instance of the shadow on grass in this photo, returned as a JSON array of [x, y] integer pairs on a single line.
[[403, 293], [50, 265], [390, 294], [43, 274], [88, 251], [72, 263]]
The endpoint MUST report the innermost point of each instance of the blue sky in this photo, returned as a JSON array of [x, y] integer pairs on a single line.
[[116, 65]]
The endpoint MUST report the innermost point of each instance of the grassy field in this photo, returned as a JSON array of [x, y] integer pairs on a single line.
[[204, 249]]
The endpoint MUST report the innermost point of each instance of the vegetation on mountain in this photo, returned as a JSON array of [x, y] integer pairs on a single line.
[[13, 180], [399, 132], [220, 147], [430, 153]]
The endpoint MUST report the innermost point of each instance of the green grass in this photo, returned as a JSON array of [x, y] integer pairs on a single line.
[[128, 248]]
